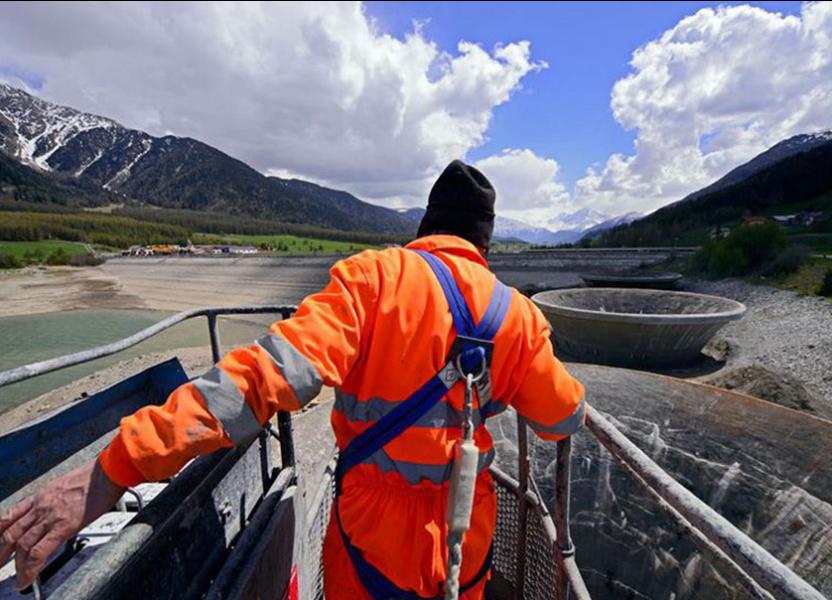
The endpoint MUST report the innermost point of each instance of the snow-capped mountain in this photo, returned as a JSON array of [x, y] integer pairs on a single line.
[[793, 172], [57, 138], [169, 172], [512, 229], [507, 228], [624, 219], [504, 228], [580, 220]]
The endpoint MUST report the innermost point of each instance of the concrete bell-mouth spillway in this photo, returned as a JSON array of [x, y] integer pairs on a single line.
[[634, 327], [647, 279]]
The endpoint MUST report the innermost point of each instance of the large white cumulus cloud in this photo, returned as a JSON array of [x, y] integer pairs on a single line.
[[708, 95], [312, 90], [528, 188]]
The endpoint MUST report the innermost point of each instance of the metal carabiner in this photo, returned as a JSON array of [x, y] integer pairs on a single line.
[[480, 375]]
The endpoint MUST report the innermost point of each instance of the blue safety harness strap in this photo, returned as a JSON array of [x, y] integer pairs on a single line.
[[403, 416]]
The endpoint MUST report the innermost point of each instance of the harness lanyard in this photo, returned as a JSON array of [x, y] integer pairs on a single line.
[[462, 483]]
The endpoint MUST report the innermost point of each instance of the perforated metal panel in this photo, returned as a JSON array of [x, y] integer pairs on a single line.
[[540, 577], [541, 569], [505, 535], [318, 519]]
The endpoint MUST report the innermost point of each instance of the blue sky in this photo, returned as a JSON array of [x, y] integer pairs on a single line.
[[563, 111]]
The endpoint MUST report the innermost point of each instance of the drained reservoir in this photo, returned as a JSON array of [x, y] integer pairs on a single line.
[[33, 338]]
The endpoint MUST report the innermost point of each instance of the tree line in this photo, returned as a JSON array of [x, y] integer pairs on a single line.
[[106, 230], [137, 226], [218, 223]]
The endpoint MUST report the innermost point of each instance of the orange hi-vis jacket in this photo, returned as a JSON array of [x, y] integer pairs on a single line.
[[378, 330]]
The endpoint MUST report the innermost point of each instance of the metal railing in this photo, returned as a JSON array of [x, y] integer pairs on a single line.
[[62, 362], [732, 552]]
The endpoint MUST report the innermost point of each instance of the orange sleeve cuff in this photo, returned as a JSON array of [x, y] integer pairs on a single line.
[[118, 466]]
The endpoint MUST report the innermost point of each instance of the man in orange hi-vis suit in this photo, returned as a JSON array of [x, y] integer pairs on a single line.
[[383, 334]]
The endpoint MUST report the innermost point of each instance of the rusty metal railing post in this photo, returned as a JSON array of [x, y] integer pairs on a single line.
[[284, 419], [287, 440], [522, 506], [214, 334], [563, 484]]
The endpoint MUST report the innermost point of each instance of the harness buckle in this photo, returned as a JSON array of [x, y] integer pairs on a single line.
[[464, 342]]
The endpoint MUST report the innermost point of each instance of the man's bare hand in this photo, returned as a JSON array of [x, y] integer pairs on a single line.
[[37, 526]]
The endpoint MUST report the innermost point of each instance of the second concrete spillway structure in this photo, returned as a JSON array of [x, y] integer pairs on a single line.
[[634, 327], [637, 279]]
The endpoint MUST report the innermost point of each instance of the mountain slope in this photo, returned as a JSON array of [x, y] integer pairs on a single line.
[[21, 183], [796, 171], [797, 144], [169, 172]]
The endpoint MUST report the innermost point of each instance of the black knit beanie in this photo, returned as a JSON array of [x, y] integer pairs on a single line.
[[461, 203]]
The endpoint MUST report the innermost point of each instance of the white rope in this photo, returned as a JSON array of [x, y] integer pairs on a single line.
[[461, 489], [454, 565]]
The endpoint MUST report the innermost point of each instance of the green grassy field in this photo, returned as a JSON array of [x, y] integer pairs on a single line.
[[284, 244], [45, 247]]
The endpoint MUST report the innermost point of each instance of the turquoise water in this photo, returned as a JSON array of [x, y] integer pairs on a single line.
[[33, 338]]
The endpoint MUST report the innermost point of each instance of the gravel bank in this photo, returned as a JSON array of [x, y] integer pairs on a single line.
[[783, 332]]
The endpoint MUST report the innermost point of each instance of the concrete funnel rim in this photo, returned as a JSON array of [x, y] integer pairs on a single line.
[[724, 316]]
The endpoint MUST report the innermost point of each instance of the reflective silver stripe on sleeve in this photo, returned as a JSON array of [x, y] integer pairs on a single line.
[[567, 426], [297, 370], [224, 400], [414, 472]]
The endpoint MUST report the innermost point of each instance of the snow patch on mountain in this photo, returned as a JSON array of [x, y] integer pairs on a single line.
[[624, 219], [579, 220], [122, 175], [43, 128]]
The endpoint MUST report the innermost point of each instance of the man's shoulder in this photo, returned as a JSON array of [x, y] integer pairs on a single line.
[[374, 264], [369, 257], [527, 312]]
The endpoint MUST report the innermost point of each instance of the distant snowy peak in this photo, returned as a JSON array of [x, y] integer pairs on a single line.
[[579, 220], [624, 219], [513, 229], [506, 228]]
